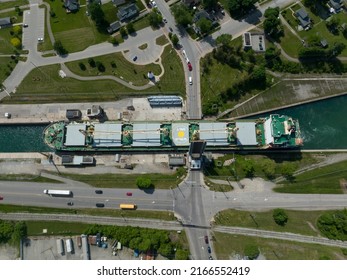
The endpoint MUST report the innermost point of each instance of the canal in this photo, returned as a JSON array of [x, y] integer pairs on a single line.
[[323, 123], [22, 138], [323, 126]]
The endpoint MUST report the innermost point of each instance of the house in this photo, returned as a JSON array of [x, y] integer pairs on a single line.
[[118, 2], [191, 3], [127, 12], [336, 5], [201, 14], [114, 26], [5, 22], [71, 5], [303, 18]]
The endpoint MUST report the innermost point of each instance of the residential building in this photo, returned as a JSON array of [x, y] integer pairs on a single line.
[[114, 26], [5, 22], [303, 18], [201, 14], [127, 12], [118, 2], [336, 5], [71, 5]]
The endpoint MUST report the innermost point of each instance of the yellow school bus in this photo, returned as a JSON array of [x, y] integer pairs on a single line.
[[127, 206]]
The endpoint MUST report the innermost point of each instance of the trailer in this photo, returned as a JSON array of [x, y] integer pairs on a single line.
[[60, 246], [58, 192], [69, 246]]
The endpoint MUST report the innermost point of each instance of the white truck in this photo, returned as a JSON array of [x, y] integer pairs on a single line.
[[58, 192]]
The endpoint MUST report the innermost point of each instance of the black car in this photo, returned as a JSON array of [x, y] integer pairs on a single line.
[[209, 249], [98, 191], [100, 205], [70, 203]]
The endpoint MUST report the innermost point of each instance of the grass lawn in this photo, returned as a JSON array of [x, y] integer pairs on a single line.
[[227, 246], [323, 32], [110, 11], [12, 4], [43, 84], [115, 64], [162, 40], [160, 181], [6, 66], [5, 38], [161, 215], [141, 23], [300, 222], [290, 43], [27, 178], [46, 45], [324, 180], [218, 171]]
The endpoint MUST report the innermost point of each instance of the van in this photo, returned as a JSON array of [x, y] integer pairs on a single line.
[[190, 80]]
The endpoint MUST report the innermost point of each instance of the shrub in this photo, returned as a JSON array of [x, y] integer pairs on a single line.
[[144, 183], [82, 66], [251, 251], [91, 62], [280, 217]]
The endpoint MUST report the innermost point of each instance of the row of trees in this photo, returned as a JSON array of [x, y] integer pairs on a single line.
[[12, 231], [143, 239], [334, 224]]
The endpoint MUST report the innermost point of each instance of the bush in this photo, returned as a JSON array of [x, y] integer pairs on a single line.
[[82, 66], [16, 43], [144, 183], [91, 62], [100, 66], [334, 225], [251, 251], [280, 217]]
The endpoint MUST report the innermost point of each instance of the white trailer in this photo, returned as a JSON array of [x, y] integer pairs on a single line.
[[69, 246], [60, 246], [58, 192]]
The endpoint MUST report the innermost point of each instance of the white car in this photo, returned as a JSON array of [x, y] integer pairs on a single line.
[[40, 39], [154, 5]]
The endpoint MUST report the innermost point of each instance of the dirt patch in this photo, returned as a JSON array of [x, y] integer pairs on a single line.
[[8, 252], [343, 185]]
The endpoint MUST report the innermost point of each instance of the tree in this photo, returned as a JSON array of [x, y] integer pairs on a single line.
[[17, 30], [224, 40], [336, 49], [288, 169], [332, 24], [155, 19], [251, 251], [280, 217], [144, 183], [210, 4], [272, 23], [239, 8], [204, 25], [59, 48], [166, 250], [130, 28], [100, 66], [113, 40], [82, 66], [123, 31], [184, 254], [91, 62], [269, 168], [248, 168], [98, 16], [182, 15], [16, 43], [258, 77], [174, 39], [334, 224]]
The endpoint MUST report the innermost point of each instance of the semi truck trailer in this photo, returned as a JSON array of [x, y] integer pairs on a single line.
[[58, 192]]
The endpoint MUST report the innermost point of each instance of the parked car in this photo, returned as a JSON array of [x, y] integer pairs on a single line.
[[170, 28], [190, 67], [164, 20], [129, 193], [25, 25], [98, 191], [210, 258], [135, 58], [190, 80], [100, 205]]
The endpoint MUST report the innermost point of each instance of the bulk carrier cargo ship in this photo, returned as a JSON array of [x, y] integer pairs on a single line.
[[273, 132]]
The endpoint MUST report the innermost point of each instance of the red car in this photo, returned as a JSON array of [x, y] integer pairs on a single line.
[[1, 197], [190, 67], [206, 239], [129, 194]]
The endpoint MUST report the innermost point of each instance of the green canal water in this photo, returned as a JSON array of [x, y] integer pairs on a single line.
[[323, 123], [323, 126], [22, 138]]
